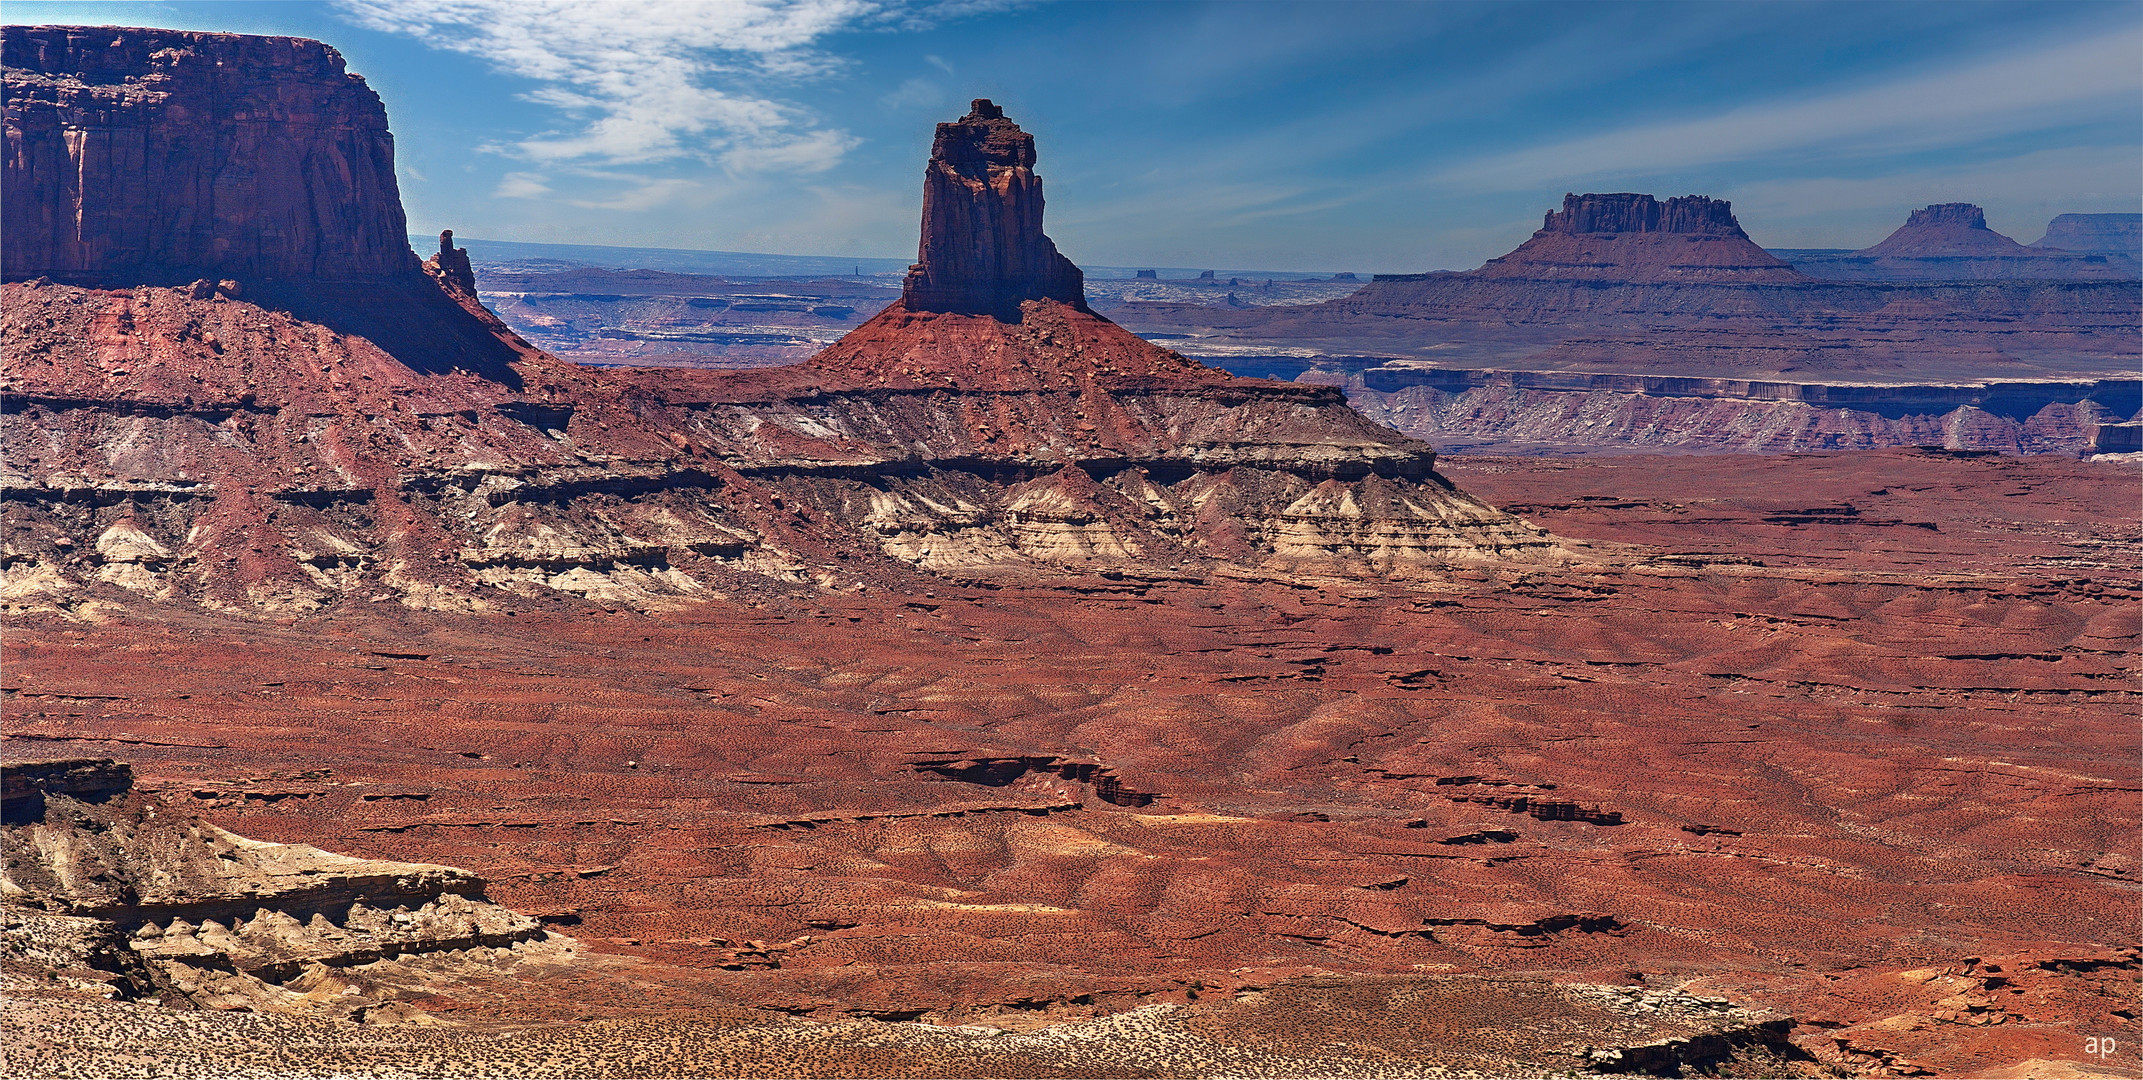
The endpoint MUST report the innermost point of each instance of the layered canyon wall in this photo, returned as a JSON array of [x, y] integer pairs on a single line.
[[287, 446]]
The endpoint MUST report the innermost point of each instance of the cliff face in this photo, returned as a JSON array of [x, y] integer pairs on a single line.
[[1628, 212], [1635, 238], [163, 155], [983, 251]]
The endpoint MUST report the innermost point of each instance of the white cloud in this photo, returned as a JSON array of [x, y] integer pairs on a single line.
[[521, 185], [653, 80], [2085, 81]]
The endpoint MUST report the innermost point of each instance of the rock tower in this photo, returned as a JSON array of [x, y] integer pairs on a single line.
[[983, 251]]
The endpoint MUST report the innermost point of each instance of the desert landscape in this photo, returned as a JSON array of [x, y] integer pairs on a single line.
[[428, 668]]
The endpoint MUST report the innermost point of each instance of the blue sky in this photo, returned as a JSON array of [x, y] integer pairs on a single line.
[[1360, 136]]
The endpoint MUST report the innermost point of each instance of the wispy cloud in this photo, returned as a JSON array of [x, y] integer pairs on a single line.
[[915, 94], [653, 80], [1963, 106]]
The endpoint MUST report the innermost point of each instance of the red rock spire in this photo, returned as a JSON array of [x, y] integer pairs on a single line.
[[983, 251]]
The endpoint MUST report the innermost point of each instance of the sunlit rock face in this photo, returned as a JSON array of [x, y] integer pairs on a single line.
[[983, 250], [167, 155]]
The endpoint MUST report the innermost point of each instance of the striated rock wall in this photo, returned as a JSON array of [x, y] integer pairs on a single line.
[[1569, 412], [1504, 418], [121, 893], [983, 250], [137, 155]]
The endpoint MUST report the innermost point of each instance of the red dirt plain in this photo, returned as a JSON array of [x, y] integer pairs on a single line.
[[1852, 737]]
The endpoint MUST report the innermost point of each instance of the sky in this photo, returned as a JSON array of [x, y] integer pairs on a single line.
[[1372, 136]]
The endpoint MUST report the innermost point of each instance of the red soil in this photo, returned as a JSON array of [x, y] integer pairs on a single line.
[[1828, 759]]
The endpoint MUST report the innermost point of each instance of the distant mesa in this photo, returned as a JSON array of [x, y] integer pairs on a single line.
[[1149, 275], [983, 251], [1632, 238], [1205, 275], [2120, 234], [1945, 229], [1951, 242], [162, 156], [1632, 213]]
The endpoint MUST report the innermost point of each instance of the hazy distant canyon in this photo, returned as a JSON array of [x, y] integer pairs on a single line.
[[1626, 323]]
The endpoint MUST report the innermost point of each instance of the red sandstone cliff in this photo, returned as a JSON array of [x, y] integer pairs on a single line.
[[982, 250], [364, 415], [164, 155]]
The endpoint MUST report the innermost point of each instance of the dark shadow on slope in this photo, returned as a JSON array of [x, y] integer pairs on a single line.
[[410, 319]]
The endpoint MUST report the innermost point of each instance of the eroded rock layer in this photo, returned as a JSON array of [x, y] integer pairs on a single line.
[[123, 895], [216, 451]]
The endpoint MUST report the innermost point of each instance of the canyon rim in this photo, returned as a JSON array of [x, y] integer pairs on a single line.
[[996, 691]]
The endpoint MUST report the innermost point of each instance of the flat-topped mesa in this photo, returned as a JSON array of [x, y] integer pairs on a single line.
[[983, 251], [140, 156], [1627, 212], [1945, 229], [1631, 238]]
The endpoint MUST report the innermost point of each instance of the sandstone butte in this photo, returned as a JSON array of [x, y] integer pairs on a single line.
[[994, 694]]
